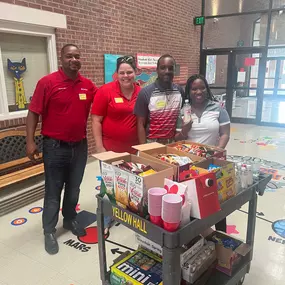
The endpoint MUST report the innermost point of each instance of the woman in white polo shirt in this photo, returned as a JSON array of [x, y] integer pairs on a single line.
[[210, 121]]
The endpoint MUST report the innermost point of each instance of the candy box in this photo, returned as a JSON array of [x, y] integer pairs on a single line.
[[225, 174], [129, 190], [165, 154], [211, 151], [139, 268], [230, 251]]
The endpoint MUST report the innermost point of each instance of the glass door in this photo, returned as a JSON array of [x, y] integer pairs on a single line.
[[234, 78], [273, 110]]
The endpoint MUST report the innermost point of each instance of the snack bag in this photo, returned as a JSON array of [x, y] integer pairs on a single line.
[[121, 186], [107, 182]]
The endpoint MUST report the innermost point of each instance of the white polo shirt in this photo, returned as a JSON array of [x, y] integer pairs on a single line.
[[205, 129]]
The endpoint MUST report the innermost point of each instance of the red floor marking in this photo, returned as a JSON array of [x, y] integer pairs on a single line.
[[91, 236]]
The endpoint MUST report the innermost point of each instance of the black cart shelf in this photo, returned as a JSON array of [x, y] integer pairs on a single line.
[[171, 243]]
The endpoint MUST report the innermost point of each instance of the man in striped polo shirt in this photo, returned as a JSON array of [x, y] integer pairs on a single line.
[[158, 105]]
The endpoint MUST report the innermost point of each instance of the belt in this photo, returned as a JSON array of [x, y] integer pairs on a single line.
[[65, 143]]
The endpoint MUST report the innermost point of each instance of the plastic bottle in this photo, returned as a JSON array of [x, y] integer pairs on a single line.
[[243, 178], [186, 112], [249, 175]]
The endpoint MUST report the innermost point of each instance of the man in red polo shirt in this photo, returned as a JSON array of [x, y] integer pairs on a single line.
[[63, 100]]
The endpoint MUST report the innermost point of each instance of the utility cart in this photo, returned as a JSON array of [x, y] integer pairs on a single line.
[[171, 243]]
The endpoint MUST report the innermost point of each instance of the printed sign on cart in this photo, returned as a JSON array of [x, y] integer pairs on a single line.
[[127, 218], [147, 60]]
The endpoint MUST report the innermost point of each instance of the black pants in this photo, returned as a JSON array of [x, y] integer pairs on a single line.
[[222, 225], [64, 165]]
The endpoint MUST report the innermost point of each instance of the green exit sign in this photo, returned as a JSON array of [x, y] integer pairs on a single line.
[[199, 21]]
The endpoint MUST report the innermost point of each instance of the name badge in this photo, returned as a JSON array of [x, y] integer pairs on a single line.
[[82, 96], [160, 104], [119, 100]]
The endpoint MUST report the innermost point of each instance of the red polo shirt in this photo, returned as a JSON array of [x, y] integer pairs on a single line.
[[119, 126], [64, 105]]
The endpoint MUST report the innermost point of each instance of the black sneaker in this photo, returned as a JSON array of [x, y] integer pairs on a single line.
[[74, 227], [51, 245]]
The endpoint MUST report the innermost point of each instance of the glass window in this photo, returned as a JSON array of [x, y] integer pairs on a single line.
[[222, 7], [277, 35], [24, 62], [235, 31], [278, 3]]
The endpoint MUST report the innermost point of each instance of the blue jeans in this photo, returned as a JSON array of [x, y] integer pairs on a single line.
[[64, 165]]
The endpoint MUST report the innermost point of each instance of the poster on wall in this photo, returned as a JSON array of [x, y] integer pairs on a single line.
[[144, 76], [211, 69], [147, 60]]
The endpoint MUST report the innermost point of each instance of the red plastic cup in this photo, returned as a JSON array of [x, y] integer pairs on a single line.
[[171, 227], [157, 220]]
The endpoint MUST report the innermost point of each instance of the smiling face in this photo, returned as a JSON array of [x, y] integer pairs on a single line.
[[126, 75], [165, 70], [70, 59], [198, 91]]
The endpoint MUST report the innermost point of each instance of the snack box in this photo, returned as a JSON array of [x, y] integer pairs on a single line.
[[228, 258], [139, 268], [127, 189], [225, 175], [152, 150], [216, 152]]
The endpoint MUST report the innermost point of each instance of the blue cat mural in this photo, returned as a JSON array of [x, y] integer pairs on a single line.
[[17, 69]]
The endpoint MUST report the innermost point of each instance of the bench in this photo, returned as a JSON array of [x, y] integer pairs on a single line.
[[15, 166]]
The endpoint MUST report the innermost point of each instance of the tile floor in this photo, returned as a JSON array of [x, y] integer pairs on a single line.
[[23, 260]]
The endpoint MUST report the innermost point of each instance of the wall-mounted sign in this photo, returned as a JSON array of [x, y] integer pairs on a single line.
[[147, 60], [199, 21]]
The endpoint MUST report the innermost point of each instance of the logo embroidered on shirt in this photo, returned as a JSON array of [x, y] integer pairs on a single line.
[[84, 89], [61, 88]]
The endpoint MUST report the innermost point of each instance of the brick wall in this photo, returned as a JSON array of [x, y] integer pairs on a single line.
[[124, 27]]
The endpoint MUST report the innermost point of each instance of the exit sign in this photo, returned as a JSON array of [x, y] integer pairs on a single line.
[[199, 21]]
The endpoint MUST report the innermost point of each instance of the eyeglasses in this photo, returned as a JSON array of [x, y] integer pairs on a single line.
[[128, 59]]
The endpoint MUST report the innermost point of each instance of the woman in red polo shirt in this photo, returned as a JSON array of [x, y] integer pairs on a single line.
[[113, 122]]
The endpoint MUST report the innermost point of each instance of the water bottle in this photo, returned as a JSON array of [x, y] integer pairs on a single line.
[[186, 112], [249, 175]]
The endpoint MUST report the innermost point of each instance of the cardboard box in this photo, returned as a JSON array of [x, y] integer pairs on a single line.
[[148, 245], [228, 259], [126, 189], [140, 267], [203, 194], [151, 150], [225, 177], [218, 152]]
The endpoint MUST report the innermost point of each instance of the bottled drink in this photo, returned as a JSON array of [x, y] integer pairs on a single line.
[[186, 112]]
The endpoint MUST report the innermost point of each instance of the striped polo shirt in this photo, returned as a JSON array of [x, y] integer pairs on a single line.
[[161, 107], [205, 129]]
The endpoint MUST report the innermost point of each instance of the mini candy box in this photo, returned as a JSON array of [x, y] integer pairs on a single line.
[[201, 150], [225, 175], [126, 178], [180, 161], [139, 268]]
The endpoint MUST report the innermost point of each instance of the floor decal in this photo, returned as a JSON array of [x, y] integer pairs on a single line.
[[35, 210], [279, 228], [232, 230], [91, 236], [19, 221], [265, 141], [85, 218]]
